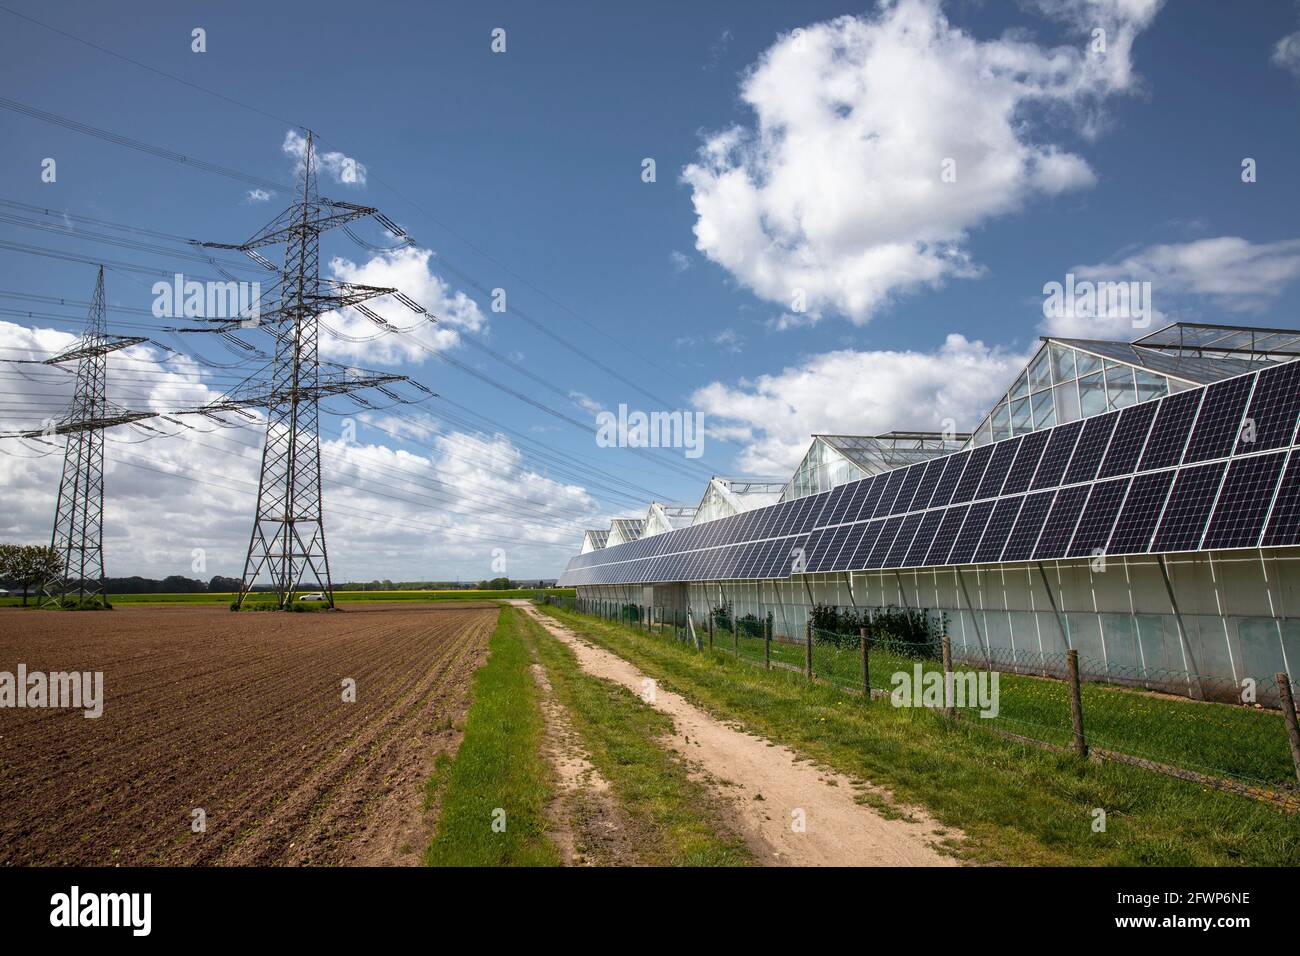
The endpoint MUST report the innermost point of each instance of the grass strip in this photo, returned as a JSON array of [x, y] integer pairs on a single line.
[[498, 768], [674, 818], [1017, 804]]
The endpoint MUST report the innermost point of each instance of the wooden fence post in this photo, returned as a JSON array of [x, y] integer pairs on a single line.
[[866, 667], [735, 635], [949, 703], [1076, 702], [710, 629], [1288, 715], [807, 650], [767, 643]]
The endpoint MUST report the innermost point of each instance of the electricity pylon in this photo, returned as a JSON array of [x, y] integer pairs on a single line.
[[78, 536], [288, 537]]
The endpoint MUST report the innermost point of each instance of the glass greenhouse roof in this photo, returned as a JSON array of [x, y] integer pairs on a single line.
[[835, 459]]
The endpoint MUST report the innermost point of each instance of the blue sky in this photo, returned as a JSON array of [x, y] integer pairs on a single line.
[[523, 170]]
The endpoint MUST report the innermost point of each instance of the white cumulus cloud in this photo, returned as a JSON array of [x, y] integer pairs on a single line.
[[837, 193]]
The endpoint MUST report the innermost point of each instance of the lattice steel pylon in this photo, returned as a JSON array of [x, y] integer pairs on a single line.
[[288, 536], [78, 535]]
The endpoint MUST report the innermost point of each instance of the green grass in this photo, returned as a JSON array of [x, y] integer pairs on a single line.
[[674, 817], [1017, 804], [1217, 739], [340, 597], [499, 766]]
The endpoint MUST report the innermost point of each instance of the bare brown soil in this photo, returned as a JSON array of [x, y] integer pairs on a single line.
[[242, 716]]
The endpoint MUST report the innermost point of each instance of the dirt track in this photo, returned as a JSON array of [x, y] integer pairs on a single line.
[[770, 784], [243, 717]]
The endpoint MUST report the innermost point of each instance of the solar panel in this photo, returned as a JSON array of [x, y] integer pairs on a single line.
[[971, 531], [1099, 513], [1244, 501], [817, 545], [832, 550], [863, 550], [951, 475], [1057, 456], [887, 534], [875, 486], [1029, 524], [885, 505], [946, 535], [925, 490], [1169, 431], [1137, 519], [999, 465], [840, 500], [924, 538], [1274, 409], [1219, 423], [1091, 447], [970, 480], [1027, 457], [844, 559], [908, 490], [1284, 521], [1189, 507], [903, 541], [1059, 528], [998, 529], [1129, 437]]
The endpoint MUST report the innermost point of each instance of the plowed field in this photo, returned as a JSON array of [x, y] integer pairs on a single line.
[[242, 717]]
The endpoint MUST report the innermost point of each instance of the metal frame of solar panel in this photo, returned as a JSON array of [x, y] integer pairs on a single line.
[[1213, 468]]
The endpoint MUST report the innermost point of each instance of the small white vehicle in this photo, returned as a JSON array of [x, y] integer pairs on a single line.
[[312, 596]]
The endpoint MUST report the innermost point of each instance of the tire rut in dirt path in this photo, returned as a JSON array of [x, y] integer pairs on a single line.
[[772, 788], [586, 822]]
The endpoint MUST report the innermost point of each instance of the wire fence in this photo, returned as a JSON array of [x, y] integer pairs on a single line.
[[1216, 733]]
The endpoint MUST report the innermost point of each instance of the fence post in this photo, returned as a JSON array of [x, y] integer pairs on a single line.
[[949, 704], [1076, 702], [767, 643], [710, 629], [735, 636], [866, 668], [1288, 715], [807, 650]]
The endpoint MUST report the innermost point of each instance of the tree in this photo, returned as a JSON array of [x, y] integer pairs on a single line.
[[28, 565], [496, 584], [220, 584]]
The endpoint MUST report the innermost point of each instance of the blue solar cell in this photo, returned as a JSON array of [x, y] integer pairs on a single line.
[[1137, 519], [874, 485], [1104, 500], [1004, 453], [1188, 508], [887, 535], [818, 542], [1219, 423], [1170, 430], [1274, 409], [1057, 456], [946, 535], [885, 506], [844, 558], [998, 529], [1244, 502], [1092, 444], [868, 541], [972, 530], [841, 498], [908, 489], [1061, 521], [925, 490], [1026, 463], [1029, 525], [970, 479], [903, 540], [924, 538], [956, 464], [1130, 435], [1284, 520]]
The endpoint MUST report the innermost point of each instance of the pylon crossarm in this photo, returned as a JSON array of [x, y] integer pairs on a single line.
[[324, 214]]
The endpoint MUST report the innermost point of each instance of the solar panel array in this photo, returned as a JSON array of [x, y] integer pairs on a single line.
[[1207, 468]]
